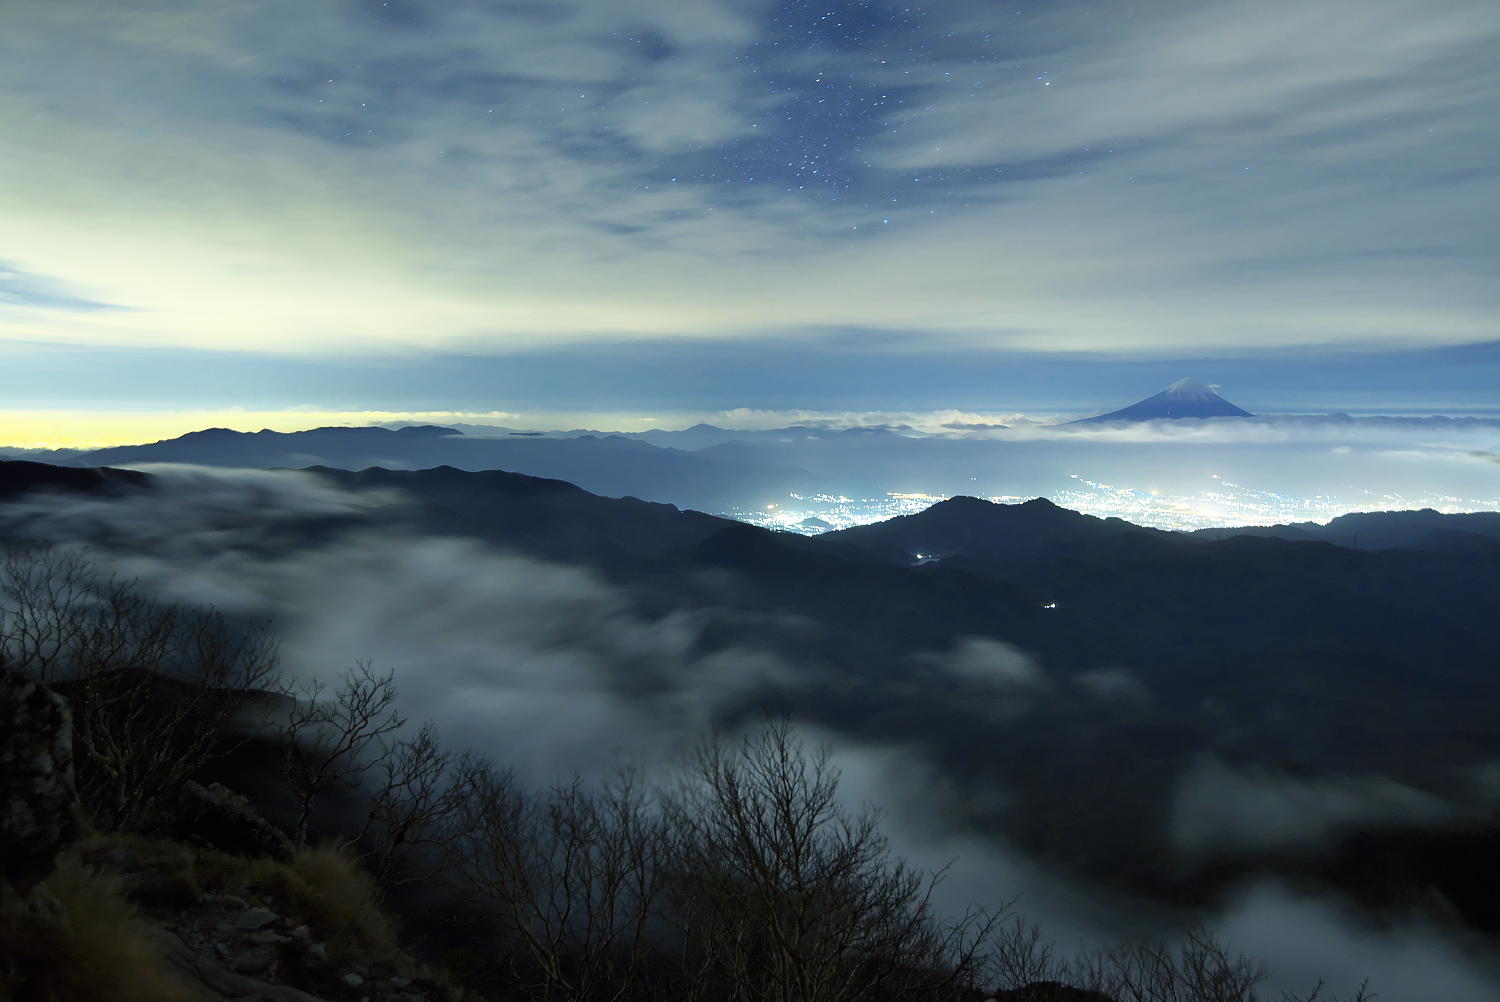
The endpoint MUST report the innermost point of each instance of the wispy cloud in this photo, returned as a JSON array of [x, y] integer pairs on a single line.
[[1217, 809], [24, 290], [361, 177]]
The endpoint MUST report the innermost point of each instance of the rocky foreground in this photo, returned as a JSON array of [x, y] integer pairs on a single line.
[[230, 912]]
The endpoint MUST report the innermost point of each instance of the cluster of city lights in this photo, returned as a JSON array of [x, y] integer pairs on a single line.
[[1222, 504]]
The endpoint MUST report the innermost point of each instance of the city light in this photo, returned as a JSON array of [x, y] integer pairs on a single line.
[[1222, 503]]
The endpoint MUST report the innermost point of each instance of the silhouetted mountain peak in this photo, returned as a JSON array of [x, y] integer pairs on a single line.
[[972, 526], [1186, 398], [960, 502], [408, 432], [18, 477], [218, 437], [965, 506]]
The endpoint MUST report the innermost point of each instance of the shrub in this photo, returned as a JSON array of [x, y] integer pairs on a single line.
[[340, 901]]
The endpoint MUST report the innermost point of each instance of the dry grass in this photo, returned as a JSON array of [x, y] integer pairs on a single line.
[[91, 946], [324, 887], [160, 874], [224, 873], [339, 900], [96, 945]]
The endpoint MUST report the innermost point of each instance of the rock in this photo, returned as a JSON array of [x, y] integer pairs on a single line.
[[222, 982], [216, 816], [309, 965], [248, 962], [255, 918], [400, 982], [352, 980], [39, 811]]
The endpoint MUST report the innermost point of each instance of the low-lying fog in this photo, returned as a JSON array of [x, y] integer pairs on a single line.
[[537, 664]]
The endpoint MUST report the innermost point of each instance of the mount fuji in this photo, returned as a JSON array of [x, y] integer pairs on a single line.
[[1186, 398]]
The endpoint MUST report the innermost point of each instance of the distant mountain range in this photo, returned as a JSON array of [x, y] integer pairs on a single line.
[[738, 471], [1426, 529], [613, 466], [1186, 398]]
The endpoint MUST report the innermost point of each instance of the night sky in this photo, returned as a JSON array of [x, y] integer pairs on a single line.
[[656, 208]]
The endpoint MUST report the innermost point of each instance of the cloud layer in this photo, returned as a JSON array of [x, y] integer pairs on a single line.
[[361, 177]]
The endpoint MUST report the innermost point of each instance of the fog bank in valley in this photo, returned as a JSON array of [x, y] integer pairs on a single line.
[[554, 669]]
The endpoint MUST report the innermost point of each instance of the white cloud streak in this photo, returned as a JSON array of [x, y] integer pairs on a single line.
[[1219, 809], [304, 179]]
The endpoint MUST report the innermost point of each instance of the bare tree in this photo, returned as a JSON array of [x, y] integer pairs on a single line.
[[48, 599], [1021, 957], [1197, 969], [575, 876], [333, 739], [1363, 994], [61, 619], [795, 899], [751, 883], [145, 731], [417, 791], [154, 685]]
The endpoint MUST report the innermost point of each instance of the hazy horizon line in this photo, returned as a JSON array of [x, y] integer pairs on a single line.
[[74, 429]]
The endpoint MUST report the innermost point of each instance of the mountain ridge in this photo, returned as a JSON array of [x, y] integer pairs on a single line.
[[973, 526], [611, 466], [21, 476]]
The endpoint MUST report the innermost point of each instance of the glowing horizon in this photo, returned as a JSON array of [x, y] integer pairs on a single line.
[[93, 429]]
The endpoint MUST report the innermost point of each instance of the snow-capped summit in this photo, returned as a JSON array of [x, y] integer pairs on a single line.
[[1186, 398], [1191, 389]]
